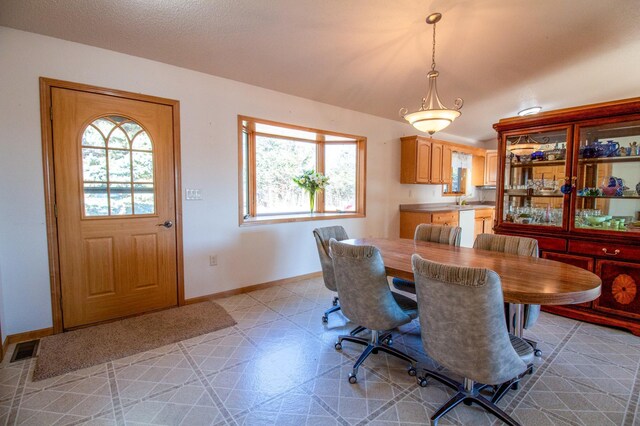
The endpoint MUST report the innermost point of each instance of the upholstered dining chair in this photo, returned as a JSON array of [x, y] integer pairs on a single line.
[[433, 233], [463, 330], [322, 236], [366, 299], [514, 245]]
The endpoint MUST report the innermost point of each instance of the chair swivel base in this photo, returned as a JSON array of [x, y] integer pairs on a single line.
[[374, 345], [537, 352], [467, 393], [325, 316]]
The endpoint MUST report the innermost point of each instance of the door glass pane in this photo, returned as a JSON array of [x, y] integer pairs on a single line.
[[92, 137], [120, 200], [142, 142], [142, 166], [119, 165], [132, 129], [340, 168], [96, 199], [94, 165], [105, 125], [143, 199], [118, 139], [109, 170], [535, 169]]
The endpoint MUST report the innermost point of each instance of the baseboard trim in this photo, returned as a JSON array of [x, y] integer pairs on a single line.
[[250, 288], [26, 336]]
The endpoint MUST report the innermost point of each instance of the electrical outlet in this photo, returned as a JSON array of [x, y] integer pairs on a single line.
[[213, 260]]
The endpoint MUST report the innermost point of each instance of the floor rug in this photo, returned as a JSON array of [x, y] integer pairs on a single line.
[[73, 350]]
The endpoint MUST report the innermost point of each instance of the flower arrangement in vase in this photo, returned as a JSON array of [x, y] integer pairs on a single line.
[[311, 182]]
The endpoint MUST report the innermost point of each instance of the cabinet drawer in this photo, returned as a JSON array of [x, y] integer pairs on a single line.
[[445, 218], [606, 250], [484, 213]]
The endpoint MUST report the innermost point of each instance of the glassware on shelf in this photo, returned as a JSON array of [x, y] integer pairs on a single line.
[[612, 186]]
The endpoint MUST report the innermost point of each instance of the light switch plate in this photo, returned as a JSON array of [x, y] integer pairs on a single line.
[[192, 194]]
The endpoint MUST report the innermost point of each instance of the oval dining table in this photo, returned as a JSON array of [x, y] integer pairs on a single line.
[[525, 279]]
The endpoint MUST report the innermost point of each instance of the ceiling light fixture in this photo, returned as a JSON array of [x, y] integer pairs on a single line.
[[432, 116], [530, 111]]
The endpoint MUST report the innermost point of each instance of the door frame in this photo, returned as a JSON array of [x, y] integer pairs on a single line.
[[46, 84]]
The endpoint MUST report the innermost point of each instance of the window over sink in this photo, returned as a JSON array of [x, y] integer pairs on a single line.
[[460, 174]]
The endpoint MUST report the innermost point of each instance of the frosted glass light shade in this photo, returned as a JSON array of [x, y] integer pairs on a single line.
[[432, 120]]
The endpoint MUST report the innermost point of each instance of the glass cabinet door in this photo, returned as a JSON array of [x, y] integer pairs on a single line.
[[608, 185], [535, 171]]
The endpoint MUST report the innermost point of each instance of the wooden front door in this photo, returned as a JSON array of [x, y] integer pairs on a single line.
[[115, 205]]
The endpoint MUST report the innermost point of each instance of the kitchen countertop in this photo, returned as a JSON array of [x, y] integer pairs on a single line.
[[431, 208]]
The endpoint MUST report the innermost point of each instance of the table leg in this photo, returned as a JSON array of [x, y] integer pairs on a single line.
[[516, 319]]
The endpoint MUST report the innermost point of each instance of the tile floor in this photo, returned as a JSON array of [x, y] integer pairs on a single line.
[[278, 366]]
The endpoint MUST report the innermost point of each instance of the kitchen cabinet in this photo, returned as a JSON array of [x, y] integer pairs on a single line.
[[483, 222], [491, 168], [484, 169], [409, 221], [425, 160], [571, 179]]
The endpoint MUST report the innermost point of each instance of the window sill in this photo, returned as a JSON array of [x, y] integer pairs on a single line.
[[301, 217]]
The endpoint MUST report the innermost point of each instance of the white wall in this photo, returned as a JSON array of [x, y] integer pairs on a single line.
[[208, 108]]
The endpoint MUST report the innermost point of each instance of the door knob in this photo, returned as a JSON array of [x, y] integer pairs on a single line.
[[166, 224]]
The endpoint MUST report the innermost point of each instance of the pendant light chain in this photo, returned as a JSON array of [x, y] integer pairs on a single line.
[[432, 116], [433, 51]]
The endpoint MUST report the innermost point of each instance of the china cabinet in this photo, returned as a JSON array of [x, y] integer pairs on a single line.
[[571, 179]]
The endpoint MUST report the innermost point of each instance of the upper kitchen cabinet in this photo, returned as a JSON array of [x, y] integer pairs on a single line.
[[485, 169], [429, 161], [491, 168], [425, 160]]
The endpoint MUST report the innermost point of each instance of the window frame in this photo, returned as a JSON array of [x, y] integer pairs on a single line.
[[247, 191]]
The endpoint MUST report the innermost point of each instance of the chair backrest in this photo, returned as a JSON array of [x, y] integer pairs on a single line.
[[514, 245], [322, 236], [363, 289], [507, 244], [438, 234], [462, 321]]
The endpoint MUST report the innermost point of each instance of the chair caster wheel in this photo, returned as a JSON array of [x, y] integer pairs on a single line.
[[338, 346], [537, 353], [422, 381], [389, 341], [352, 379], [325, 319], [412, 371], [335, 302]]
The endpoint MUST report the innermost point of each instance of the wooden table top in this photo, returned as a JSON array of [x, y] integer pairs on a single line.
[[524, 279]]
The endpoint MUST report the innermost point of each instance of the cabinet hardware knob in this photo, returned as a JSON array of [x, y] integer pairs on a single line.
[[615, 252]]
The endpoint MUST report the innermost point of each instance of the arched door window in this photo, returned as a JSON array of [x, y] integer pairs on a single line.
[[117, 168]]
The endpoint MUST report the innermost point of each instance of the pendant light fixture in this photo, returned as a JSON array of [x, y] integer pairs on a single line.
[[432, 116]]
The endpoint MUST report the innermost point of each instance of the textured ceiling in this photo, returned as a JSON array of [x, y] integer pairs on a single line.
[[372, 55]]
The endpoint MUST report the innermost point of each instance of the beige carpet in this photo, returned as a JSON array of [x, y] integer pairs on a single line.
[[66, 352]]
